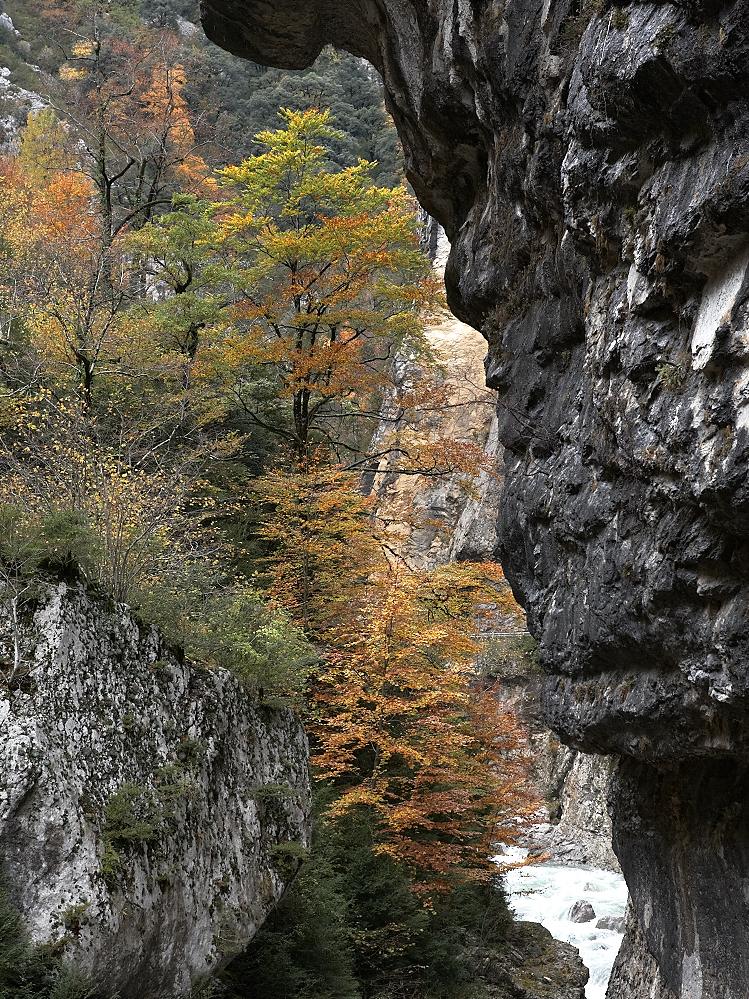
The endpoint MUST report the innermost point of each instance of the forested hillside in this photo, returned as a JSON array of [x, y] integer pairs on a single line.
[[230, 100], [205, 304]]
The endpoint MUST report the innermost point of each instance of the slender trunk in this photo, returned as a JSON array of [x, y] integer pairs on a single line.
[[16, 634]]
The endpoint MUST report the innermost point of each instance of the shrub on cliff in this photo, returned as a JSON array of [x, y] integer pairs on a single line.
[[28, 972]]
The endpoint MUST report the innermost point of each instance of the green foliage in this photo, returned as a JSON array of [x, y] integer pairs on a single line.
[[133, 816], [259, 645], [166, 13], [249, 97], [13, 946], [304, 949], [65, 537], [29, 972], [508, 656], [74, 916], [273, 792], [350, 927], [232, 628], [671, 375], [29, 541], [19, 548], [287, 857]]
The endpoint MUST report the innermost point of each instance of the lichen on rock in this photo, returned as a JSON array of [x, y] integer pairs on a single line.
[[150, 812]]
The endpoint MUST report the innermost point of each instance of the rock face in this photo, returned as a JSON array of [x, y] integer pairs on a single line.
[[150, 812], [590, 162], [582, 912], [635, 972], [580, 832], [574, 785], [439, 519], [536, 967]]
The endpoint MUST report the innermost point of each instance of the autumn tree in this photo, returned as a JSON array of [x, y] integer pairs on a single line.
[[136, 521], [294, 302], [407, 730], [58, 271], [125, 100], [327, 283], [101, 165], [401, 724], [319, 533], [184, 309], [45, 148]]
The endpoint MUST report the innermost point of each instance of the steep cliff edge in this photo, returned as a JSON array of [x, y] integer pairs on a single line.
[[456, 517], [590, 162], [150, 812]]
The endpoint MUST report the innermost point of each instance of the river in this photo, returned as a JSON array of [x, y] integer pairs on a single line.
[[544, 893]]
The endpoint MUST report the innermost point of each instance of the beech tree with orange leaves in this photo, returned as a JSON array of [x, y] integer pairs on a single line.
[[125, 101], [327, 284], [400, 723], [55, 273], [403, 725], [325, 287]]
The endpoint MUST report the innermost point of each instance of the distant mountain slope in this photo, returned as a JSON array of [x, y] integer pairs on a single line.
[[230, 98]]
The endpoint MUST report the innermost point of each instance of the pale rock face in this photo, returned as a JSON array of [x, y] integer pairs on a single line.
[[101, 711], [455, 515]]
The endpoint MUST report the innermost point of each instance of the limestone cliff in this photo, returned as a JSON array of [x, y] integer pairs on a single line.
[[590, 162], [150, 812], [438, 518], [458, 519]]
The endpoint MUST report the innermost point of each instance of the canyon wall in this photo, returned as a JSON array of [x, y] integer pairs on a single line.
[[456, 517], [590, 163], [150, 812]]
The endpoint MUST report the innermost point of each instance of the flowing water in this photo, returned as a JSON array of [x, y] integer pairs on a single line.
[[545, 893]]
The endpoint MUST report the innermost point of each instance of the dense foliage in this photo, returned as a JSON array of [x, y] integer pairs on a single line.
[[29, 972], [230, 100], [350, 927], [195, 361]]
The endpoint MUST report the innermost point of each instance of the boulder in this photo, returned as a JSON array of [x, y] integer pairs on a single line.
[[582, 912]]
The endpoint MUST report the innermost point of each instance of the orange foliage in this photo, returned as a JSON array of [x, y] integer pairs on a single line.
[[400, 723]]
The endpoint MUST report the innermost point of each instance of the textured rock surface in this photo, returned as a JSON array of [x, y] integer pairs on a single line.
[[576, 828], [590, 162], [635, 974], [536, 967], [456, 522], [140, 799], [582, 912], [438, 519], [581, 830]]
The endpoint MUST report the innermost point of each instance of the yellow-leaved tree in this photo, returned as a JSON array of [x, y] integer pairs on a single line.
[[327, 285]]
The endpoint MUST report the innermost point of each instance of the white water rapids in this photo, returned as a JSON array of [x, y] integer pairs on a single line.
[[544, 893]]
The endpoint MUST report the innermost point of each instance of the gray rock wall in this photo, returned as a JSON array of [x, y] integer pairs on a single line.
[[590, 163], [150, 812]]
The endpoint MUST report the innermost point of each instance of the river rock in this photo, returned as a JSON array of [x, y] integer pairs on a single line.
[[534, 966], [151, 813], [613, 923], [582, 912]]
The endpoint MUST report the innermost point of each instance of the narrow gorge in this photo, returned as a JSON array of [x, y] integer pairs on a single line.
[[590, 164], [374, 437]]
